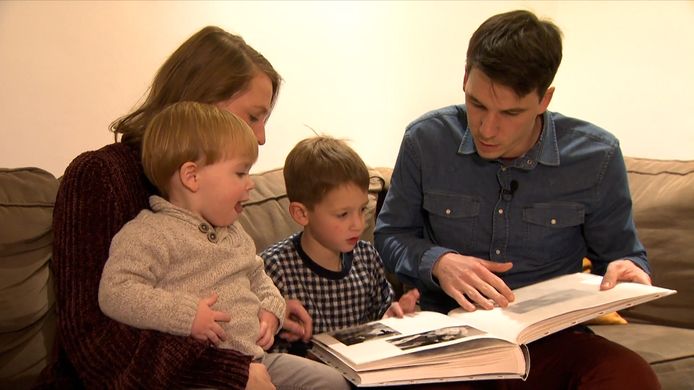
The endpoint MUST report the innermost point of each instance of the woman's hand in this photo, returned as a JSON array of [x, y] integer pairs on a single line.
[[298, 324], [258, 378]]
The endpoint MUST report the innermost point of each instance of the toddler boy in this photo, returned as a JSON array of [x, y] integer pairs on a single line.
[[186, 265]]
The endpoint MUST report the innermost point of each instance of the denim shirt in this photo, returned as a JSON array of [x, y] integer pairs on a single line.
[[567, 198]]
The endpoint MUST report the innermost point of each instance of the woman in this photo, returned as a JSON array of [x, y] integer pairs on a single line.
[[102, 190]]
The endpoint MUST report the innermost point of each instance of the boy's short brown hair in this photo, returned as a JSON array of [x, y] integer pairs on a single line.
[[190, 131], [320, 164]]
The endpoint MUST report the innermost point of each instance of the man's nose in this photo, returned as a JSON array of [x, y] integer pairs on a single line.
[[489, 126]]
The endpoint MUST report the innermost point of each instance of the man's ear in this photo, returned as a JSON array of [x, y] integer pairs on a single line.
[[544, 102], [188, 175], [299, 213]]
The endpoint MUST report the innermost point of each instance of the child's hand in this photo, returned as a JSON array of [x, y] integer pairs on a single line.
[[268, 328], [406, 304], [205, 326]]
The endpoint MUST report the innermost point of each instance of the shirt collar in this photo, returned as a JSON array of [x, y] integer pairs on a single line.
[[545, 152]]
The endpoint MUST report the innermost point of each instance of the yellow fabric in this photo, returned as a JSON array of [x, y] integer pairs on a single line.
[[606, 319]]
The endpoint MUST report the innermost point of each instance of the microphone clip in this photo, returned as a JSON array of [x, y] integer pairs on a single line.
[[507, 193]]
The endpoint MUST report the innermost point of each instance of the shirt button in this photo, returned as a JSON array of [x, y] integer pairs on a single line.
[[448, 211], [501, 211], [498, 252], [553, 221]]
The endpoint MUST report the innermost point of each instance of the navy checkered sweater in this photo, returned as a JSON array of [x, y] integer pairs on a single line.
[[356, 294]]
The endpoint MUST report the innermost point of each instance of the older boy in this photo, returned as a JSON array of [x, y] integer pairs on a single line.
[[339, 278]]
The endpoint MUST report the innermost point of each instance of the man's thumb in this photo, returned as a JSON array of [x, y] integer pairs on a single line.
[[498, 267], [608, 281]]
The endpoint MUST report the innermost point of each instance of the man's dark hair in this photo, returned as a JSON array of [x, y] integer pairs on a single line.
[[517, 50]]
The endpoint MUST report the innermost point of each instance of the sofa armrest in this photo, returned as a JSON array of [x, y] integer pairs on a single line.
[[27, 323]]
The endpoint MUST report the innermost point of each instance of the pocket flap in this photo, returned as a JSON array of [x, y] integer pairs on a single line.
[[451, 205], [555, 215]]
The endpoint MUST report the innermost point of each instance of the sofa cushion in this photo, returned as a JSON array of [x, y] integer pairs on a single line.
[[27, 196], [663, 196], [669, 350], [266, 216]]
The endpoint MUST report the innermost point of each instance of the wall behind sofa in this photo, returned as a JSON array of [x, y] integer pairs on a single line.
[[360, 70]]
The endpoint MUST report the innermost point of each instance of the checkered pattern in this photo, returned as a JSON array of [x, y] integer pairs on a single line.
[[357, 294]]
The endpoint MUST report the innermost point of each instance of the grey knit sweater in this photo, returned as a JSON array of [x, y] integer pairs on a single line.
[[164, 261]]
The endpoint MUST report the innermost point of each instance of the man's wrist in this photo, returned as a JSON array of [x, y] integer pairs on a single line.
[[430, 262]]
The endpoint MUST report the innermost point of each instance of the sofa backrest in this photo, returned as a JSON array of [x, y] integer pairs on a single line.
[[662, 192]]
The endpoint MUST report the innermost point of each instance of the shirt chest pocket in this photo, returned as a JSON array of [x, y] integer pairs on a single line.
[[553, 230], [452, 219]]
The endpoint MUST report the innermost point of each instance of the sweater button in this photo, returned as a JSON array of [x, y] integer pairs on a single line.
[[203, 227], [212, 236]]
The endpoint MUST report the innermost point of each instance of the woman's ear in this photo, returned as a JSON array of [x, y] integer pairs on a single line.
[[188, 175], [299, 213]]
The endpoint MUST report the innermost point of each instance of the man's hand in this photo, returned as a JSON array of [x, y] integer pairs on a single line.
[[623, 270], [466, 279], [258, 378], [406, 304], [268, 328], [298, 324], [205, 326]]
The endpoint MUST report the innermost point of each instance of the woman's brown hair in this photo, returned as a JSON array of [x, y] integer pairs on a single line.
[[209, 67]]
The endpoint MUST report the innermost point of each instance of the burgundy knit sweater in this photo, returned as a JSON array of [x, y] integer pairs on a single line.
[[100, 191]]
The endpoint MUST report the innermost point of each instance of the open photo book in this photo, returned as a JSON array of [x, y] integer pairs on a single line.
[[485, 344]]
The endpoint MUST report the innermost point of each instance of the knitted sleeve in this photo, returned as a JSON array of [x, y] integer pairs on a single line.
[[270, 297], [99, 193], [130, 292]]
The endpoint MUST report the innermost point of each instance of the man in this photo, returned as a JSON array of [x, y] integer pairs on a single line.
[[500, 193]]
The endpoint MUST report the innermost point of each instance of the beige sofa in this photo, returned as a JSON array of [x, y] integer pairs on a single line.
[[661, 331]]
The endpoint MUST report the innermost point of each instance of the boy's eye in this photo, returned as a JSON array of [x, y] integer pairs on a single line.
[[342, 215], [253, 118]]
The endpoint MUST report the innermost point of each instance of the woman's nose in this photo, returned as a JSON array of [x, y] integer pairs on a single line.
[[259, 132]]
